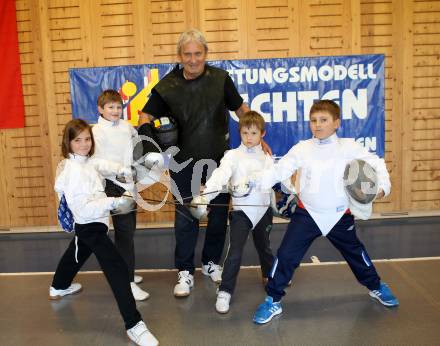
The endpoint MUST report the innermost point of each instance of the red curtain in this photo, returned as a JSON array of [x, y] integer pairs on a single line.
[[11, 92]]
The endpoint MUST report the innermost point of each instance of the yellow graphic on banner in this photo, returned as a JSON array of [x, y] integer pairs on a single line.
[[135, 105]]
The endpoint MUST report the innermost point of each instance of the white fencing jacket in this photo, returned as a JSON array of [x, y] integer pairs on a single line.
[[235, 168], [79, 179], [114, 141], [321, 165]]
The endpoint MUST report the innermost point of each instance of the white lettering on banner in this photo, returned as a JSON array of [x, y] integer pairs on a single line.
[[239, 73], [340, 72], [280, 75], [357, 104], [307, 97], [301, 74], [284, 104], [280, 106], [258, 101], [251, 76], [265, 76], [326, 73], [368, 142], [331, 95], [309, 74]]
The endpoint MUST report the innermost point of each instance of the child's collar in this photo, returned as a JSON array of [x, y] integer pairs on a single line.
[[103, 121], [255, 149], [331, 139], [78, 158]]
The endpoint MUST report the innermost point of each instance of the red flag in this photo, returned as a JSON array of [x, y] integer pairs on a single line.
[[11, 92]]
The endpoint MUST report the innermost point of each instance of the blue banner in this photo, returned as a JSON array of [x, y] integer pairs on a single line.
[[282, 90]]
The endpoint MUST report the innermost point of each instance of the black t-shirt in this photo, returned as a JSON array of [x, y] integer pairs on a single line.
[[157, 107]]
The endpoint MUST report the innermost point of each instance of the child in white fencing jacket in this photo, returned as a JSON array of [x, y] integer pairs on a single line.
[[251, 209], [81, 184], [323, 209], [115, 140]]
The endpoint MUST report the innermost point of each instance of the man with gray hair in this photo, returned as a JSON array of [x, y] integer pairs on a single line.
[[198, 97]]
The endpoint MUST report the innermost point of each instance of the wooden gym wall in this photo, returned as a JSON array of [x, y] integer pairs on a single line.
[[55, 35]]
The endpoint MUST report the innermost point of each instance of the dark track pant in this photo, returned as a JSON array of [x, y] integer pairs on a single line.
[[240, 226], [93, 238], [301, 232], [124, 226], [187, 228]]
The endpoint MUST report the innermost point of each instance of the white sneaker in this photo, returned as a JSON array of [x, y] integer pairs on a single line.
[[185, 281], [55, 294], [214, 271], [140, 335], [138, 279], [222, 303], [138, 293]]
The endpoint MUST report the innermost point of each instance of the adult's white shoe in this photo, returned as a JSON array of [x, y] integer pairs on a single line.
[[138, 293], [185, 281], [55, 294], [138, 279], [140, 335], [214, 271], [222, 303]]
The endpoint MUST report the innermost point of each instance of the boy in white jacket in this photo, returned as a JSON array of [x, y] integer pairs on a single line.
[[114, 138], [79, 180], [251, 212], [323, 209]]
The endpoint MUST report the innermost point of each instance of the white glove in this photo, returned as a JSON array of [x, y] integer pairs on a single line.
[[127, 175], [151, 170], [199, 207], [123, 205], [155, 161]]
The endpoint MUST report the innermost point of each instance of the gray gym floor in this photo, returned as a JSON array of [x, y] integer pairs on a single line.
[[324, 306]]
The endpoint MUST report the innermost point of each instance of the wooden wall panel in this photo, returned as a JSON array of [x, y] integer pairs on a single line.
[[274, 29], [5, 215], [225, 26], [425, 112], [55, 35], [24, 151], [376, 28], [168, 19], [118, 41], [329, 27], [151, 213]]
